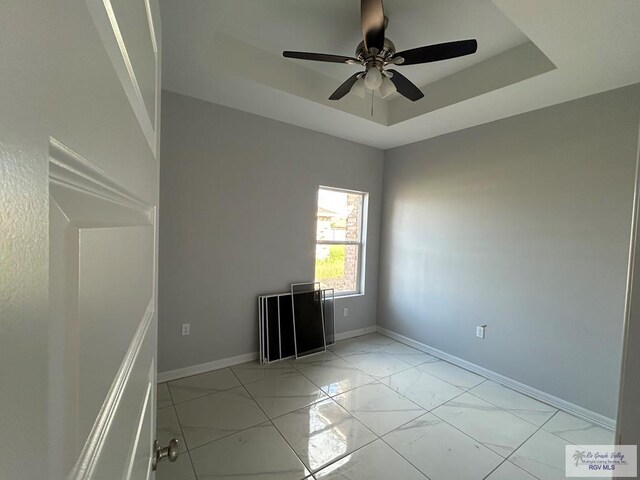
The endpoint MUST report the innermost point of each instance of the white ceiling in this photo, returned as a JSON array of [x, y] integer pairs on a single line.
[[531, 54]]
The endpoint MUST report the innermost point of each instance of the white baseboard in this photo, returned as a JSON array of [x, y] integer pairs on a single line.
[[559, 403], [355, 333], [205, 367], [231, 361]]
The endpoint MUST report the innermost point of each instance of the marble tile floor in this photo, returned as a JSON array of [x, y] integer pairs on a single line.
[[369, 409]]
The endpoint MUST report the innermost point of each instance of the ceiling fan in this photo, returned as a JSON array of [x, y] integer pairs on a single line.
[[376, 53]]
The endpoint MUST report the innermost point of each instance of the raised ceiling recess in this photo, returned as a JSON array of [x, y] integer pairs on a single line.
[[529, 55]]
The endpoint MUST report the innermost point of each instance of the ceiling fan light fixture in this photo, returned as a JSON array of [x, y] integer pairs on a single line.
[[386, 88], [376, 52], [373, 79]]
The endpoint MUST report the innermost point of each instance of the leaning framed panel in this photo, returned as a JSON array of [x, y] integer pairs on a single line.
[[328, 311], [308, 319], [276, 332]]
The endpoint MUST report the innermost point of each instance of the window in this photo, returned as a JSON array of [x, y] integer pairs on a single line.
[[341, 221]]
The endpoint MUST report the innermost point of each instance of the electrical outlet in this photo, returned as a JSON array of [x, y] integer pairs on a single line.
[[186, 328], [480, 330], [345, 312]]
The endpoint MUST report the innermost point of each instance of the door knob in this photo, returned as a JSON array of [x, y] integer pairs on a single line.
[[169, 452]]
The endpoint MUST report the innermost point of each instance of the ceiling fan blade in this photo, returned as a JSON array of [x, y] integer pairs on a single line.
[[440, 51], [320, 57], [405, 87], [345, 88], [372, 18]]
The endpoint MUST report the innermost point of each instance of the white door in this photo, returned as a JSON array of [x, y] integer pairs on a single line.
[[628, 426], [79, 142]]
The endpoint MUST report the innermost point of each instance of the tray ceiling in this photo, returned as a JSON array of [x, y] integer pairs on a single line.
[[530, 55]]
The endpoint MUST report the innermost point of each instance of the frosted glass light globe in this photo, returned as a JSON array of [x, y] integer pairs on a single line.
[[373, 79], [386, 87]]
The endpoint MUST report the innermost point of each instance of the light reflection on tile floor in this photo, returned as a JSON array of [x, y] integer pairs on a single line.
[[247, 423]]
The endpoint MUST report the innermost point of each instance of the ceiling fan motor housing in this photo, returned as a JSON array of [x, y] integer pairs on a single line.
[[375, 58]]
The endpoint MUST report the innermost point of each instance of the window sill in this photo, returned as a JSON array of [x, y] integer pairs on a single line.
[[348, 295]]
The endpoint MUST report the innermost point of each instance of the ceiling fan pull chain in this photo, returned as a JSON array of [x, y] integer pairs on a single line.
[[372, 103]]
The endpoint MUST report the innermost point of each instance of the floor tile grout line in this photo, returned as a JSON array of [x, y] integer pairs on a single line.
[[306, 467], [409, 366], [237, 431], [281, 435], [501, 408], [515, 450], [406, 423], [186, 446], [478, 441], [207, 394], [235, 375], [507, 410], [391, 389], [504, 459], [423, 414], [340, 393], [180, 404], [443, 403], [375, 378], [277, 430], [311, 471], [324, 397], [586, 421], [424, 410], [484, 379], [265, 366], [346, 454], [362, 422], [516, 391], [402, 456], [429, 410], [335, 460], [173, 403]]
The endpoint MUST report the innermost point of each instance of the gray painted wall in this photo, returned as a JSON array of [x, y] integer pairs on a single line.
[[522, 224], [238, 200]]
